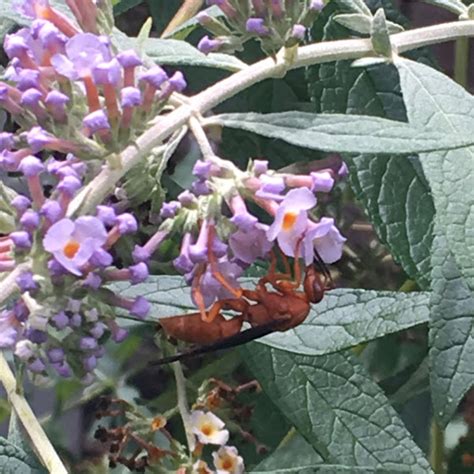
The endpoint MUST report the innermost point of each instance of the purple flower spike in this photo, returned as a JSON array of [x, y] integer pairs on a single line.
[[127, 224], [31, 166], [26, 283], [298, 32], [139, 273], [74, 243], [107, 215], [61, 321], [140, 308], [257, 26], [129, 58], [21, 203], [96, 121], [52, 211], [69, 185], [30, 220], [130, 97], [56, 354], [154, 76], [207, 45], [87, 343], [21, 239]]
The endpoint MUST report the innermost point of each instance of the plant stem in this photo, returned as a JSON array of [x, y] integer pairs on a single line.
[[461, 61], [183, 405], [40, 441], [95, 192], [437, 448]]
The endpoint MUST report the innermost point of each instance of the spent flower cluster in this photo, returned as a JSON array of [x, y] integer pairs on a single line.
[[274, 23]]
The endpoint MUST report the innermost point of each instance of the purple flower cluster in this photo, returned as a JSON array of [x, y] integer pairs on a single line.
[[216, 250], [64, 314], [274, 23], [72, 82]]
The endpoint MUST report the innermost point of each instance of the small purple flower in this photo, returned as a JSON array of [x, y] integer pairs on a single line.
[[186, 198], [257, 26], [21, 239], [129, 58], [322, 181], [83, 52], [93, 281], [140, 308], [130, 97], [74, 243], [28, 78], [207, 45], [39, 138], [107, 215], [89, 363], [155, 76], [30, 220], [298, 32], [31, 166], [203, 18], [52, 211], [97, 331], [139, 273], [56, 103], [8, 329], [260, 167], [202, 169], [316, 5], [36, 336], [55, 355], [169, 209], [87, 343], [176, 82], [119, 334], [96, 121], [108, 72], [31, 97], [291, 219], [198, 252], [21, 203], [6, 141], [241, 218], [23, 349], [183, 263], [127, 224], [140, 254], [63, 369], [37, 366], [101, 258], [200, 188], [326, 238], [48, 34], [69, 185], [75, 321], [248, 246], [271, 187], [26, 282], [60, 320]]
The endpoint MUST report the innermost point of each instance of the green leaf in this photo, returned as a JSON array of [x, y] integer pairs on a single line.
[[178, 53], [433, 98], [344, 133], [13, 460], [347, 317], [380, 35], [387, 186], [121, 6], [337, 408], [362, 23]]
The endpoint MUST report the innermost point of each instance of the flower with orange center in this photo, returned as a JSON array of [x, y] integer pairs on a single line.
[[208, 428], [74, 242], [291, 219], [228, 461]]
